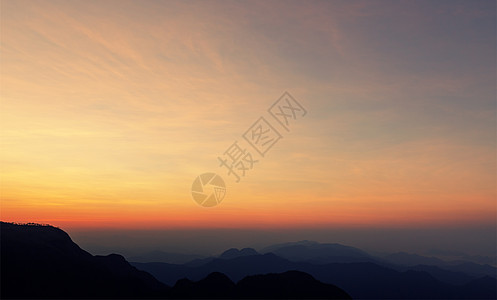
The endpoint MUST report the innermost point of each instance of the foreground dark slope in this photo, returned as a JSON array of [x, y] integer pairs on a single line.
[[43, 262]]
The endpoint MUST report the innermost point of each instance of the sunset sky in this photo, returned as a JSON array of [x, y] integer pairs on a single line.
[[110, 109]]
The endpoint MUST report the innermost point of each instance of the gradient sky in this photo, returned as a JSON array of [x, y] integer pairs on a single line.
[[110, 109]]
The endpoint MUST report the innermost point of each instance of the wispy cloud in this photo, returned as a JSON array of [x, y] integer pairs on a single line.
[[113, 107]]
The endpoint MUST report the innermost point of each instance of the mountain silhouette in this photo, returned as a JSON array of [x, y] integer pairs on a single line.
[[287, 285], [456, 278], [452, 255], [236, 268], [43, 262], [360, 280], [234, 253], [479, 288], [413, 261], [472, 269], [215, 286], [228, 254], [314, 252], [407, 259], [161, 256]]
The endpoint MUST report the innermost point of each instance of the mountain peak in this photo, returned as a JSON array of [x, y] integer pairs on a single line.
[[234, 253]]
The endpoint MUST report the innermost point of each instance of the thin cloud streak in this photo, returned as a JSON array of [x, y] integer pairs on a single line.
[[110, 108]]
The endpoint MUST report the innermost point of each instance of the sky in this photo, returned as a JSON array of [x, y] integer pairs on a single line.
[[111, 109]]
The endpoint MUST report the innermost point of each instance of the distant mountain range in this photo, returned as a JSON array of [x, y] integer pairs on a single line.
[[234, 253], [454, 272], [360, 280], [360, 274], [413, 261], [314, 252], [42, 262], [319, 253]]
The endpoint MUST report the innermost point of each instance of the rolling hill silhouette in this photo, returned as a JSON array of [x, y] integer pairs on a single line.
[[234, 253], [416, 262], [287, 285], [161, 256], [457, 272], [360, 280], [314, 252], [215, 286]]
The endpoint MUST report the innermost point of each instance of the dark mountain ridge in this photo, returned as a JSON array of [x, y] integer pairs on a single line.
[[42, 262], [287, 285]]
